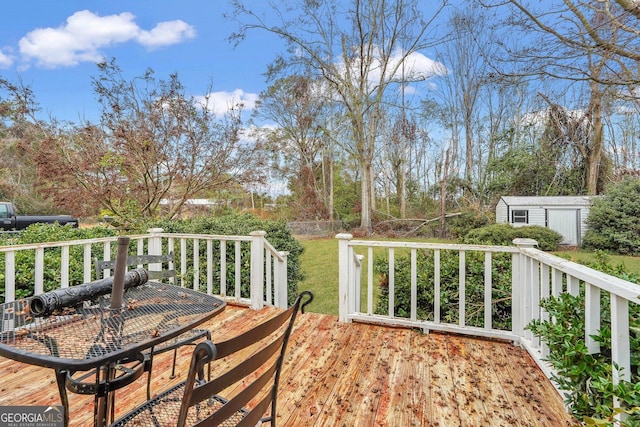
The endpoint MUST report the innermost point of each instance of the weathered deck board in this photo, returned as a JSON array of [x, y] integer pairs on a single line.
[[354, 375]]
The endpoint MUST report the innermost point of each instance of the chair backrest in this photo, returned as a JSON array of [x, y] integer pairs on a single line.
[[254, 366], [166, 262]]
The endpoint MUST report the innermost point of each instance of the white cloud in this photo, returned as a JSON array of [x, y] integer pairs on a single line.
[[166, 34], [221, 102], [85, 34], [5, 59]]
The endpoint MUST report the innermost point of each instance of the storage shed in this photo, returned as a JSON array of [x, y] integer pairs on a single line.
[[565, 214]]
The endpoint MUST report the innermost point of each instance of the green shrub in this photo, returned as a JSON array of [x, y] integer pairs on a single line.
[[460, 226], [614, 220], [587, 379], [239, 225], [449, 289], [503, 234]]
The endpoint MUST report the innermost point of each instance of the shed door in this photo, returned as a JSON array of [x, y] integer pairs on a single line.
[[565, 222]]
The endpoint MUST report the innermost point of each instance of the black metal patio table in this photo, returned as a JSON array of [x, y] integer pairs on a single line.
[[114, 344]]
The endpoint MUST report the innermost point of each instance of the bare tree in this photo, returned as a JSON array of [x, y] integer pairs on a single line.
[[298, 140], [154, 142], [593, 44], [465, 60], [358, 50], [20, 129]]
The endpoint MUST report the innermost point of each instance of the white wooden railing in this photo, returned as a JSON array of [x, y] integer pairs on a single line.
[[268, 267], [535, 275]]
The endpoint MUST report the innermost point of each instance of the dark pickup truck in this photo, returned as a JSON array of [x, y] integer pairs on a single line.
[[10, 221]]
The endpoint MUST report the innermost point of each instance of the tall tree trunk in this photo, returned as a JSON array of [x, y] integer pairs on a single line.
[[594, 154], [330, 206], [443, 194], [365, 208]]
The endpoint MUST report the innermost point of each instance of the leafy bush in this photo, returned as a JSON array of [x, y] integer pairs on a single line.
[[503, 234], [449, 289], [460, 226], [614, 220], [587, 379], [240, 225]]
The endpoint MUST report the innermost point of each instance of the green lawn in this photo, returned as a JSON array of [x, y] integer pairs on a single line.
[[319, 263], [631, 263]]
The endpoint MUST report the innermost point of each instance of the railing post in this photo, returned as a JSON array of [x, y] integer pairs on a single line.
[[521, 287], [257, 269], [154, 247], [281, 290], [344, 264]]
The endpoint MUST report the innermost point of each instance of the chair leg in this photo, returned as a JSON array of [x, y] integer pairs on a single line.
[[173, 367], [149, 368]]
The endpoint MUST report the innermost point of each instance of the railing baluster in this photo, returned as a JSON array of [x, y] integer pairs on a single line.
[[516, 294], [183, 261], [238, 277], [436, 286], [223, 268], [370, 280], [462, 304], [196, 264], [352, 281], [172, 264], [592, 317], [209, 266], [414, 284], [64, 266], [391, 286], [10, 276], [535, 298], [556, 282], [106, 254], [87, 262], [573, 285], [528, 303], [488, 287], [545, 292], [39, 272]]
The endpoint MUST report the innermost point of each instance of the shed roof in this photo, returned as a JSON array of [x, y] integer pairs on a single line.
[[548, 200]]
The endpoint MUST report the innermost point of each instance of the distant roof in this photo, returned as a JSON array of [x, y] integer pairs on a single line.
[[548, 200]]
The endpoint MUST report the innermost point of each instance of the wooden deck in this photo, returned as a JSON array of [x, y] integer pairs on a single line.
[[354, 375]]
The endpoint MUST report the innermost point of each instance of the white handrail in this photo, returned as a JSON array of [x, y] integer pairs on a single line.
[[197, 266], [535, 275]]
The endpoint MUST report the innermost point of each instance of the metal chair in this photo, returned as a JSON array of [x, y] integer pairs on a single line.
[[166, 272], [253, 364]]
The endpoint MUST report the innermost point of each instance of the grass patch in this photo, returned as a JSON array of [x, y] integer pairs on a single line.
[[631, 263], [319, 263]]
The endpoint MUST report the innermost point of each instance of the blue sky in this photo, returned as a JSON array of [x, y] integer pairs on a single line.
[[53, 47]]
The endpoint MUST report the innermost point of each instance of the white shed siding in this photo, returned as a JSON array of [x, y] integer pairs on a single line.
[[501, 212], [538, 208], [536, 215]]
